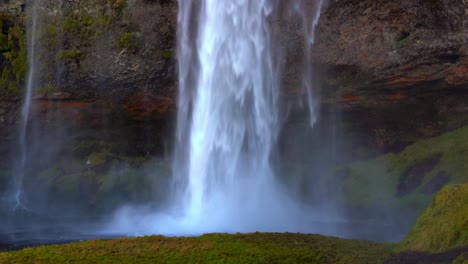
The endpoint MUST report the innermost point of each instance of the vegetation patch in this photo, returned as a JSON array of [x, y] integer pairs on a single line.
[[127, 42], [167, 53], [443, 225], [47, 89], [71, 55], [213, 248], [414, 174], [13, 56], [111, 181]]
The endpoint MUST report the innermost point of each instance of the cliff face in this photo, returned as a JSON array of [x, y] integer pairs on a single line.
[[103, 64], [396, 44], [398, 70], [92, 49]]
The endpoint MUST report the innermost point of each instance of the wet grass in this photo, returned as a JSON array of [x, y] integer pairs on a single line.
[[444, 224], [212, 248]]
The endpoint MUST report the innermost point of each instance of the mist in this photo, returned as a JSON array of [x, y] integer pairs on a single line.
[[249, 146]]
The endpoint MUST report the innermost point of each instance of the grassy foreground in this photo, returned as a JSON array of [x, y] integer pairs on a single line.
[[212, 248], [439, 236]]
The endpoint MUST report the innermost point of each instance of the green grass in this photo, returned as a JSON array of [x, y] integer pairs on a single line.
[[212, 248], [443, 225]]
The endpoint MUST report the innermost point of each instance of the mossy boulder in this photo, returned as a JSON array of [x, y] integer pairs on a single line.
[[443, 225]]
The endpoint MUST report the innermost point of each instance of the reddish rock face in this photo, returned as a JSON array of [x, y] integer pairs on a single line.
[[144, 104], [458, 76], [139, 107]]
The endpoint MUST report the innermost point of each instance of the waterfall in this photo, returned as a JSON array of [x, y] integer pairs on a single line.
[[228, 125], [229, 112], [234, 121], [309, 40], [26, 109]]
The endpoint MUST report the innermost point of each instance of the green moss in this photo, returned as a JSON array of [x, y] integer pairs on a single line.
[[71, 55], [444, 225], [51, 35], [8, 85], [47, 89], [127, 41], [167, 53], [213, 248], [462, 259], [13, 50], [375, 181], [70, 24]]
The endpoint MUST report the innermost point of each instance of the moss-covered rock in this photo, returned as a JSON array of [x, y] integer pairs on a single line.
[[127, 42], [13, 55], [111, 181], [413, 175], [444, 225]]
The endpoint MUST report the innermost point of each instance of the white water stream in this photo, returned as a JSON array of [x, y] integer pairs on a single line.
[[20, 170], [228, 124]]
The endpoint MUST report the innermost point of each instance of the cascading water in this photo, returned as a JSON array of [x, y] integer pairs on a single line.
[[228, 125], [235, 114], [309, 40], [23, 130]]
